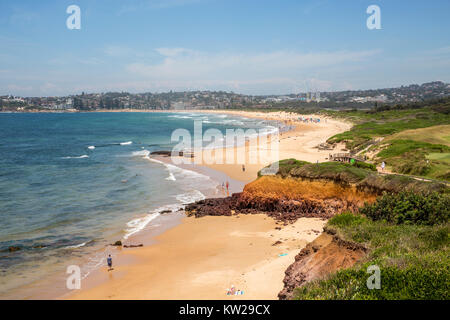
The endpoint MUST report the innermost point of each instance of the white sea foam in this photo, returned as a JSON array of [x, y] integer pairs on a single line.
[[181, 173], [140, 223], [181, 117], [80, 157], [126, 143], [143, 153], [190, 197], [76, 246], [91, 147], [171, 177]]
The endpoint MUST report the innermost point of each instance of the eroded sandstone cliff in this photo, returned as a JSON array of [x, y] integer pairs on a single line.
[[285, 199]]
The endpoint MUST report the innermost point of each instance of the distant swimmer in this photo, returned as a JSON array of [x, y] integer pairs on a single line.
[[109, 261]]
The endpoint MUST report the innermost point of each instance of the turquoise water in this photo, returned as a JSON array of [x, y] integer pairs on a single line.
[[72, 183]]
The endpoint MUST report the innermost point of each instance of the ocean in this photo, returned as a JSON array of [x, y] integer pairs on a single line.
[[70, 184]]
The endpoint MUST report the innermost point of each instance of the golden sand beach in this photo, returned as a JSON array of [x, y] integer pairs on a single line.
[[203, 257]]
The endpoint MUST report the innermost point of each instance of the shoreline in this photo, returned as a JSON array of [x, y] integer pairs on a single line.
[[219, 237]]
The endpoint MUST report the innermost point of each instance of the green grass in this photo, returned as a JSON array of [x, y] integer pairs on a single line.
[[413, 157], [337, 171], [399, 147], [414, 260], [285, 166], [357, 137], [372, 124], [363, 176], [434, 135], [411, 135], [444, 157]]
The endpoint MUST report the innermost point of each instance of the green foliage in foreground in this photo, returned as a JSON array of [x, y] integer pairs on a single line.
[[396, 284], [414, 259], [410, 208]]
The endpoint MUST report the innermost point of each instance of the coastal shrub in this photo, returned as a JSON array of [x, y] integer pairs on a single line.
[[398, 183], [412, 165], [413, 283], [409, 207], [445, 176], [337, 171], [365, 165], [346, 219], [285, 166], [413, 260]]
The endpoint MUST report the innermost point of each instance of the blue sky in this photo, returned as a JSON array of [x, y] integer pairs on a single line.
[[246, 46]]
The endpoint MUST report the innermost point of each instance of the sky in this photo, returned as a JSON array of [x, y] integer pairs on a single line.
[[247, 46]]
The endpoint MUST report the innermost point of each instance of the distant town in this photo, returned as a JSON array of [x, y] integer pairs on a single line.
[[225, 100]]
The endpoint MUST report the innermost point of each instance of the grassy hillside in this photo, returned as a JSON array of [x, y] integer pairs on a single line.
[[433, 135], [408, 239], [405, 229], [409, 140], [362, 177]]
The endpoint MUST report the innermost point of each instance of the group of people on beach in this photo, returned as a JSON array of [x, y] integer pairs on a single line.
[[233, 292], [227, 186], [306, 120]]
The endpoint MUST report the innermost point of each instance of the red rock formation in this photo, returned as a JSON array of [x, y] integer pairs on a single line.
[[325, 255], [285, 199]]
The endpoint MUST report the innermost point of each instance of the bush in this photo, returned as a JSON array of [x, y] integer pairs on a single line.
[[409, 283], [365, 165], [336, 171], [346, 219], [285, 166], [408, 207]]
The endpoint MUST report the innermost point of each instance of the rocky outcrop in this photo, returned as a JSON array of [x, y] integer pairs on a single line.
[[284, 199], [326, 254]]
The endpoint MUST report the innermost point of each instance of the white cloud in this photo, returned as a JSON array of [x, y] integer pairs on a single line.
[[18, 88], [117, 51], [172, 52], [281, 70]]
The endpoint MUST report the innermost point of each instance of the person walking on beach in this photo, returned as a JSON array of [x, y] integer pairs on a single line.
[[228, 185], [243, 168], [109, 261]]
